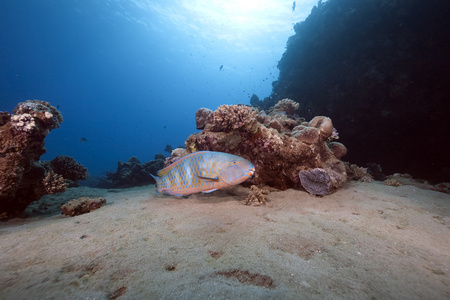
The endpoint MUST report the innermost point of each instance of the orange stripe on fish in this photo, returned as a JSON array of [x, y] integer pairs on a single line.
[[203, 171]]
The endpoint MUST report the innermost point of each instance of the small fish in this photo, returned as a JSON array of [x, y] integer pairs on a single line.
[[83, 140], [221, 67], [293, 6], [203, 171]]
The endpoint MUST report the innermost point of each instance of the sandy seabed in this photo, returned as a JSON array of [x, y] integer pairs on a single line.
[[366, 241]]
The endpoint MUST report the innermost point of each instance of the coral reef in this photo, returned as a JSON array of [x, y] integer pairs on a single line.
[[133, 173], [82, 205], [257, 196], [23, 179], [379, 69], [278, 154], [69, 169]]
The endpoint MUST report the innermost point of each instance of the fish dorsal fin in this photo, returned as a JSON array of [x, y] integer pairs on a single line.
[[163, 172], [215, 179]]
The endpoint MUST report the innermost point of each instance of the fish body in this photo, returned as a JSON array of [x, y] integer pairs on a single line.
[[203, 171]]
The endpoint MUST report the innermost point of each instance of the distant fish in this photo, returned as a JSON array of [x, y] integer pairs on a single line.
[[221, 67], [293, 6], [203, 171], [83, 140]]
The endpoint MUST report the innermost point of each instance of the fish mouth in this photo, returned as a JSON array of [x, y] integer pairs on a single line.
[[250, 173]]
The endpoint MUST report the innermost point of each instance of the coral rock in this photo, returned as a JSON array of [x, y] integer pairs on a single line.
[[275, 124], [202, 116], [69, 168], [82, 205], [338, 149], [278, 155], [42, 111], [233, 117], [308, 135], [324, 125], [175, 155], [22, 176], [285, 106], [54, 183], [315, 181]]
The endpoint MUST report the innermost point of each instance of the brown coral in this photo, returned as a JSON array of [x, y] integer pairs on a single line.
[[257, 196], [82, 205], [201, 117], [21, 145], [392, 182], [228, 118], [69, 168], [53, 183], [277, 154], [357, 173], [285, 106]]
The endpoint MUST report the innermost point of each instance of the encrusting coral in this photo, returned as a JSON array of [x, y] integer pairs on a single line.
[[279, 154]]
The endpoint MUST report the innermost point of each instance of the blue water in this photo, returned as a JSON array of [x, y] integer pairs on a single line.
[[128, 76]]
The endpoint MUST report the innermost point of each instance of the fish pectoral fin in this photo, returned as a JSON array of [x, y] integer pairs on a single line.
[[215, 179], [163, 172], [209, 191]]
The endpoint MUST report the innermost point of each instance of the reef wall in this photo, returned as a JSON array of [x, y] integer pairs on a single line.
[[380, 69]]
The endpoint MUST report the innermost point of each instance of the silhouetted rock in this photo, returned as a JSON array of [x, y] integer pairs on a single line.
[[133, 173]]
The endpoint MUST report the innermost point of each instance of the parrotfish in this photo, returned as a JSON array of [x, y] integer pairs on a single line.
[[203, 171]]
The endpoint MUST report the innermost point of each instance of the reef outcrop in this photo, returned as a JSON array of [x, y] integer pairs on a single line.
[[380, 69], [23, 178], [279, 143]]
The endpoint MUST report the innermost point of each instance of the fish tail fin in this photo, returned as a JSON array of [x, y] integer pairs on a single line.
[[158, 183]]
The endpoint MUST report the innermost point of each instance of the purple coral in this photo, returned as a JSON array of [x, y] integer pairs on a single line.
[[315, 181]]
